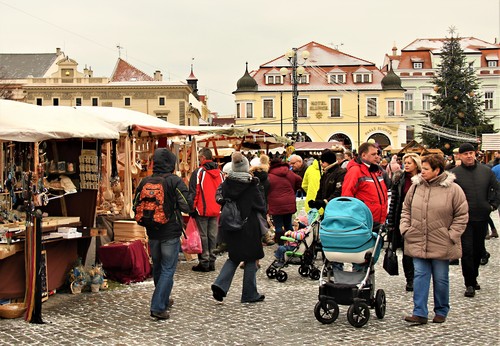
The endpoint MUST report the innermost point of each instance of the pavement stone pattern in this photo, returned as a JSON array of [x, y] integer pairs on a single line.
[[121, 317]]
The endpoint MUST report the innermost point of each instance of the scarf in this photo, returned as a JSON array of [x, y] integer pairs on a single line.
[[243, 177]]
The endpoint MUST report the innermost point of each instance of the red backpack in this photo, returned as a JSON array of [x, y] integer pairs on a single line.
[[151, 203]]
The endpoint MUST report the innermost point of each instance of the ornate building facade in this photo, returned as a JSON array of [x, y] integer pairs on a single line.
[[340, 97]]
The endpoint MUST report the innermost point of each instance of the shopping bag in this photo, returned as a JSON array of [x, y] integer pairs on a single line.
[[192, 242], [391, 261]]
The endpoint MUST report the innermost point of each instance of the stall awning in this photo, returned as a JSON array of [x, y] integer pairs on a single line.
[[23, 122], [490, 141]]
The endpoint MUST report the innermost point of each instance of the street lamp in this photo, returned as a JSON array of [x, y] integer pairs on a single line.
[[297, 71]]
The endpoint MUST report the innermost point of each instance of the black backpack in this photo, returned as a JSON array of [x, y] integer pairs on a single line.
[[230, 217]]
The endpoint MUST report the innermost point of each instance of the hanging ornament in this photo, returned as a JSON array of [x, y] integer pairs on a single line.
[[471, 94], [455, 97], [447, 146], [461, 114], [436, 88]]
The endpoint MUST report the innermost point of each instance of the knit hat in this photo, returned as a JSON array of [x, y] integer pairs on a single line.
[[255, 162], [416, 159], [228, 168], [328, 156], [465, 147], [239, 162]]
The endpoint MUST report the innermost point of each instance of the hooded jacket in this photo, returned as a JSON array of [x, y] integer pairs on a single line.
[[177, 195], [283, 184], [310, 183], [433, 218], [203, 184], [367, 185]]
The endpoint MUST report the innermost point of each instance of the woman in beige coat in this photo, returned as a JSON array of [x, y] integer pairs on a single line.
[[434, 216]]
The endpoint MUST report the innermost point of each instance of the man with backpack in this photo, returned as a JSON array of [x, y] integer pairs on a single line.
[[158, 201], [203, 185]]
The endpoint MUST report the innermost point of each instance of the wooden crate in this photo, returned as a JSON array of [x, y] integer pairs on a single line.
[[126, 230]]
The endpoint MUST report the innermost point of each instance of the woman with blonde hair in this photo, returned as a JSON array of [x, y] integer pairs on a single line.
[[401, 182]]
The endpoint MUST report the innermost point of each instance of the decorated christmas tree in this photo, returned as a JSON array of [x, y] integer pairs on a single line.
[[457, 114]]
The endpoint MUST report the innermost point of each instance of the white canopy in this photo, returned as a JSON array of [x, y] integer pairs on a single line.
[[23, 122]]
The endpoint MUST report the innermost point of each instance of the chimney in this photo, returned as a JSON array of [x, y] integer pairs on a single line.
[[158, 77], [85, 71], [91, 73], [58, 51]]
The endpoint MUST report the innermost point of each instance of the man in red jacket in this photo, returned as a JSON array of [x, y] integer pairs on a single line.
[[365, 182], [203, 184]]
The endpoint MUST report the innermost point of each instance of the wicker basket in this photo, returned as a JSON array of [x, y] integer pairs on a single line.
[[12, 310]]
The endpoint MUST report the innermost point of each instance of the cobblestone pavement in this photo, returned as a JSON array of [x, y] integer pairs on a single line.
[[121, 317]]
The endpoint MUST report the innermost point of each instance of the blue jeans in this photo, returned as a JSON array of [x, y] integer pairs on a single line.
[[208, 227], [249, 291], [424, 269], [280, 252], [165, 255]]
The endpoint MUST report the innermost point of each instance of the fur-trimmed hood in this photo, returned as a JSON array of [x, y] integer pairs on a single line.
[[445, 179]]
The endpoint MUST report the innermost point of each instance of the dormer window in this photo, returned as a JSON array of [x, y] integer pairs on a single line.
[[418, 65], [492, 63], [274, 79], [362, 77], [337, 78], [303, 79]]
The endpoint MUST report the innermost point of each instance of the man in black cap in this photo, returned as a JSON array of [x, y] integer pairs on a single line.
[[482, 191]]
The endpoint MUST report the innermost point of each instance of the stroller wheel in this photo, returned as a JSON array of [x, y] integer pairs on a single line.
[[380, 304], [326, 312], [358, 314], [304, 271], [271, 272], [315, 274], [281, 276]]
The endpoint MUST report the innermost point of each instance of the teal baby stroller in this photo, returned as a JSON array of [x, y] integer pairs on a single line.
[[346, 236]]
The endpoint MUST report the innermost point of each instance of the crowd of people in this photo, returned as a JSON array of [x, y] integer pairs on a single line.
[[436, 209]]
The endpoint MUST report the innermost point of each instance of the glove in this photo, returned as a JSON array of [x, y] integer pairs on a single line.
[[318, 204]]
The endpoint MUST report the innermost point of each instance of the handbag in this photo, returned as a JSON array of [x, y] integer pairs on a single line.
[[192, 242], [390, 264]]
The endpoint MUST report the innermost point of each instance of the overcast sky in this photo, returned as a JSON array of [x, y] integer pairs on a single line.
[[221, 35]]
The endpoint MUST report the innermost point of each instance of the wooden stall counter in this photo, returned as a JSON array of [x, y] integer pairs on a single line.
[[61, 254]]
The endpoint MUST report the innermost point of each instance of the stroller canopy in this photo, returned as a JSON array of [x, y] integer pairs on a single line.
[[347, 214]]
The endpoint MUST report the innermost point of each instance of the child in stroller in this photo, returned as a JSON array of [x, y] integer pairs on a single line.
[[299, 249], [347, 236]]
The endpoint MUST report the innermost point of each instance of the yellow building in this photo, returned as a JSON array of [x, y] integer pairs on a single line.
[[340, 97], [54, 80]]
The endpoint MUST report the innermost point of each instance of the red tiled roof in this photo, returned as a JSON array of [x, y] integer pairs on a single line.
[[321, 61], [124, 72]]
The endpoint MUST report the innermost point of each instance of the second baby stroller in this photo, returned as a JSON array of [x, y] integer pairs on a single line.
[[301, 253], [346, 236]]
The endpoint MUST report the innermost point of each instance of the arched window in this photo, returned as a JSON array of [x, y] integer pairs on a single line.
[[382, 140], [340, 137]]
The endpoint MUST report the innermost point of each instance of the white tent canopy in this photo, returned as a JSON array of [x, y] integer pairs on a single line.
[[24, 122]]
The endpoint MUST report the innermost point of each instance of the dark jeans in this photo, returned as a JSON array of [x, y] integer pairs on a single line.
[[472, 250], [282, 223]]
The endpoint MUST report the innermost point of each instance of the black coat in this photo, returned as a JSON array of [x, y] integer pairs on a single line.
[[245, 245], [396, 206], [481, 189]]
